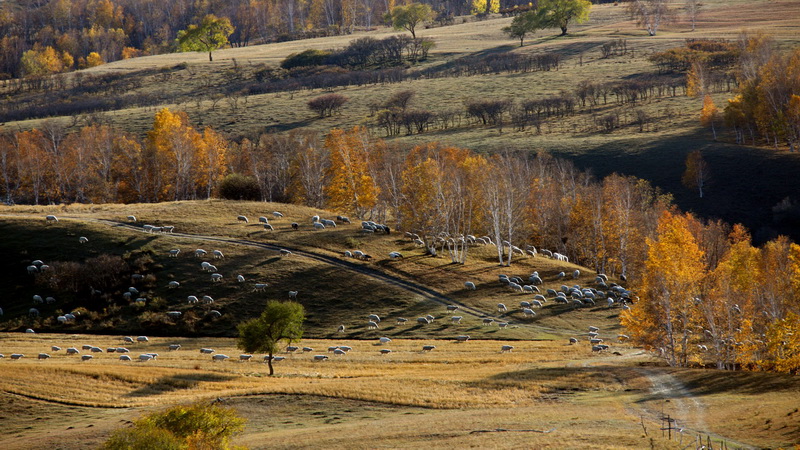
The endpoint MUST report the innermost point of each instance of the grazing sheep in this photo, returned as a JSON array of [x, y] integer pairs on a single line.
[[37, 299], [145, 357], [385, 351], [33, 312], [206, 351], [340, 329], [72, 351], [244, 357], [216, 277], [318, 226], [173, 285], [452, 308], [214, 313], [595, 341], [268, 227], [501, 307], [515, 286], [423, 320], [456, 319], [503, 324], [576, 273], [537, 303], [277, 214], [174, 314], [192, 299], [293, 295], [173, 347], [43, 356], [263, 219], [124, 358], [274, 358], [506, 348], [385, 340], [573, 340], [395, 255], [32, 270], [30, 331], [240, 278], [174, 252], [242, 219], [219, 357], [307, 349], [320, 357], [131, 218], [462, 338], [83, 240], [285, 252], [50, 219], [428, 348], [328, 223], [339, 351], [83, 357], [623, 337], [430, 318], [142, 339], [371, 325], [595, 329], [200, 253], [291, 348], [401, 320], [55, 348], [295, 226], [374, 318], [260, 287], [87, 347], [528, 312], [599, 348], [49, 300], [345, 348], [488, 321], [122, 350], [128, 340], [218, 254], [469, 285]]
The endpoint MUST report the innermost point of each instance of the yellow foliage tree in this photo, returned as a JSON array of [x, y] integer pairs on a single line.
[[39, 62], [174, 151], [94, 59], [709, 114], [350, 188], [666, 316]]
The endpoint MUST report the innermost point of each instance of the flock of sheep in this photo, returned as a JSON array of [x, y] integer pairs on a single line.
[[575, 295]]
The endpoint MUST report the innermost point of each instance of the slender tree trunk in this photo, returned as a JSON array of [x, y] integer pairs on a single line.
[[563, 31], [209, 57], [269, 363]]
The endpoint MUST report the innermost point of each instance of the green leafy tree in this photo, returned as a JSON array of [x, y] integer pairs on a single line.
[[211, 34], [280, 321], [180, 427], [408, 17], [561, 13], [524, 24]]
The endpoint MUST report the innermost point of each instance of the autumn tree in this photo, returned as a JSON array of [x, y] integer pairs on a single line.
[[178, 154], [709, 115], [561, 13], [650, 14], [408, 17], [665, 317], [696, 175], [525, 24], [506, 200], [39, 62], [209, 35], [279, 322], [350, 186], [419, 197]]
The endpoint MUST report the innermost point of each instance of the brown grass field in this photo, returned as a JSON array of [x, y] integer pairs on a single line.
[[458, 395]]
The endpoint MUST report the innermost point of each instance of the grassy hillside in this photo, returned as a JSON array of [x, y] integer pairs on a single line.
[[335, 290], [213, 94]]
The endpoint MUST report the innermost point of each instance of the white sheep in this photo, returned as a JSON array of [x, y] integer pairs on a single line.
[[200, 253], [593, 328], [385, 340], [207, 299], [215, 313], [263, 219], [318, 226], [242, 219], [245, 357], [371, 325], [83, 357], [173, 285], [528, 312], [122, 350], [218, 254], [83, 240], [277, 214], [385, 351], [142, 339], [576, 273], [395, 255], [174, 252], [192, 299], [124, 358], [339, 351], [43, 356], [268, 227], [260, 287], [401, 320], [32, 270], [293, 295], [145, 357], [240, 278], [501, 307], [374, 318], [51, 218], [285, 252], [506, 348], [131, 218], [173, 347], [456, 319], [307, 349], [320, 357], [206, 351], [340, 329], [33, 312], [30, 331], [452, 308], [216, 277], [487, 321], [423, 320], [174, 314], [428, 348], [292, 348]]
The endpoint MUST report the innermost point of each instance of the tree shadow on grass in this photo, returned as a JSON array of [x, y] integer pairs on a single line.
[[177, 382]]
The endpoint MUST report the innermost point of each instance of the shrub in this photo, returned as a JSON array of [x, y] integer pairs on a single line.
[[326, 105], [306, 58], [239, 187]]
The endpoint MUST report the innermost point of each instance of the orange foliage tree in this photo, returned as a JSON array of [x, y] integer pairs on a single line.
[[350, 187]]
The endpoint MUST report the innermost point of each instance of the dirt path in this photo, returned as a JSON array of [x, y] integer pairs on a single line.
[[688, 410]]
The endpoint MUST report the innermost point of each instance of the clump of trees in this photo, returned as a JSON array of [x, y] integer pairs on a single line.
[[326, 105]]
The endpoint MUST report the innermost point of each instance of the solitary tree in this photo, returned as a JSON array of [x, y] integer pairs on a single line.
[[212, 33], [409, 16], [524, 24], [709, 114], [280, 321], [696, 174], [560, 13]]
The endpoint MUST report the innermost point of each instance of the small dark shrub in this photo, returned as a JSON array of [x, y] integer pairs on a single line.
[[326, 105], [239, 187], [305, 58]]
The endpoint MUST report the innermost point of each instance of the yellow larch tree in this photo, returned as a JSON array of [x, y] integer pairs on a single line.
[[176, 149], [666, 316], [350, 187], [709, 115]]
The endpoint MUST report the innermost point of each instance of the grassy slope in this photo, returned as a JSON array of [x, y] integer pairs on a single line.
[[746, 182], [331, 295]]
